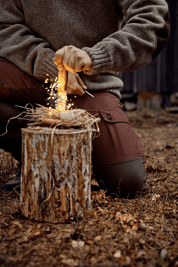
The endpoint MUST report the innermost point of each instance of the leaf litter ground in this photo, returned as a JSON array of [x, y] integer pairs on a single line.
[[117, 232]]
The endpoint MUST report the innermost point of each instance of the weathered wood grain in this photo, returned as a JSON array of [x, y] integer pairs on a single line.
[[56, 173]]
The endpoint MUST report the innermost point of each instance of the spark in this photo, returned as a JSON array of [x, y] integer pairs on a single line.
[[57, 94]]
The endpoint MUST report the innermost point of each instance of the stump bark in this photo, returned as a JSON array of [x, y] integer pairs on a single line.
[[56, 173]]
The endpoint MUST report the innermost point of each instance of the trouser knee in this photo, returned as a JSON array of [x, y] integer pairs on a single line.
[[125, 178], [10, 130]]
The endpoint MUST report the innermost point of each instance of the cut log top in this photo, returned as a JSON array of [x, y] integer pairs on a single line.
[[48, 130]]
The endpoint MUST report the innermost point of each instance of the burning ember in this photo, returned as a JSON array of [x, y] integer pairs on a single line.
[[57, 94], [61, 92]]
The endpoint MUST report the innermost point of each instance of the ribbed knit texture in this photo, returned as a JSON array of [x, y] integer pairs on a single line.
[[32, 30]]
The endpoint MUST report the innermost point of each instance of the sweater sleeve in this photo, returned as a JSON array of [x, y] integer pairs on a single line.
[[19, 45], [144, 35]]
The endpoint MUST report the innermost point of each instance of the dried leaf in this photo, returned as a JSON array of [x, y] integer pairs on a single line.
[[70, 262], [90, 242], [93, 260], [127, 228], [17, 223], [98, 238], [63, 256], [142, 241], [140, 254], [118, 216], [155, 197], [126, 217], [142, 226], [127, 260], [77, 244], [163, 254], [135, 227], [117, 254]]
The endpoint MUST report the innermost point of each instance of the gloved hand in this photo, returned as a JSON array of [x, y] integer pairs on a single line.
[[73, 59], [75, 85]]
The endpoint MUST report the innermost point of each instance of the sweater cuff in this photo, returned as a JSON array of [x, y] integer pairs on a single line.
[[50, 68], [45, 65], [101, 59]]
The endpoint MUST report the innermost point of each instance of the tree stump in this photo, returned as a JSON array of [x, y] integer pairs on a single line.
[[56, 173]]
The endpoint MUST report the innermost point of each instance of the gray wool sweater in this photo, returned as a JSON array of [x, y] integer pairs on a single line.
[[32, 30]]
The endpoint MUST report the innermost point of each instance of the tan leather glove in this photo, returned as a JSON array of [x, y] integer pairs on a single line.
[[73, 59], [75, 85]]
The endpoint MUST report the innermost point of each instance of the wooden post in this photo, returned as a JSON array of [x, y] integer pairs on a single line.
[[56, 173]]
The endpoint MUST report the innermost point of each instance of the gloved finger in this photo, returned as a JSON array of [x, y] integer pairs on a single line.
[[83, 63], [59, 62], [80, 82], [75, 91], [59, 55], [71, 63], [69, 60], [69, 90], [73, 85]]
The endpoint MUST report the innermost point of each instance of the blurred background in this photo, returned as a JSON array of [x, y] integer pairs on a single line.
[[155, 86]]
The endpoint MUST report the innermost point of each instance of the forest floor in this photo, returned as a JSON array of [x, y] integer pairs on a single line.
[[117, 232]]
